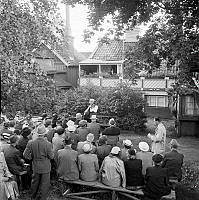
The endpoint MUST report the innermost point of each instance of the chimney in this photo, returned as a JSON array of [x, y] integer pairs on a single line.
[[68, 34]]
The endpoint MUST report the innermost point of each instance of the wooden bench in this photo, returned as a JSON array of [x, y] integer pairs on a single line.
[[135, 195]]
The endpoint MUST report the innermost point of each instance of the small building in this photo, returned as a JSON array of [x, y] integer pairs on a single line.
[[62, 62], [188, 105], [105, 68]]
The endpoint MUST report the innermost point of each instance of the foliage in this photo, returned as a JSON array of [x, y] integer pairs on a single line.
[[191, 175], [121, 103], [23, 25]]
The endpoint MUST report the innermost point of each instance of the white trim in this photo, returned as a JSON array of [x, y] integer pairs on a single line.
[[95, 62]]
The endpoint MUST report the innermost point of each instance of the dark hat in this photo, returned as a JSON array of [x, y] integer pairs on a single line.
[[59, 131], [68, 140], [25, 132], [44, 115], [132, 152], [103, 139], [13, 139], [157, 158]]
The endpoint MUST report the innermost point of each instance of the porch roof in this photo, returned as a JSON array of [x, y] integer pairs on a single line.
[[101, 62]]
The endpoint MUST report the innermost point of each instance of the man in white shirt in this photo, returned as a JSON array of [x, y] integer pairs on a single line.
[[159, 139]]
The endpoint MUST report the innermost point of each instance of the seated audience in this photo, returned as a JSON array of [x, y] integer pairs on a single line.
[[50, 131], [103, 149], [88, 164], [8, 187], [127, 146], [67, 162], [83, 130], [112, 133], [133, 169], [58, 141], [5, 133], [13, 156], [145, 156], [89, 140], [70, 132], [157, 182], [94, 127], [78, 119], [112, 172], [173, 161], [23, 140]]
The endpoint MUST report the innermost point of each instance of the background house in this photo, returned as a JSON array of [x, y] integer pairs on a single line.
[[105, 68], [61, 63]]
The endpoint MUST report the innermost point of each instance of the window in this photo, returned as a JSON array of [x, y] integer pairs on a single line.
[[191, 105], [157, 101]]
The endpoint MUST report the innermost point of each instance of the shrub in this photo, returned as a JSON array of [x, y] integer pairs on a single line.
[[122, 103]]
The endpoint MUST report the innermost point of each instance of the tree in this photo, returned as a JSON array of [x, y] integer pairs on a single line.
[[23, 25], [173, 36]]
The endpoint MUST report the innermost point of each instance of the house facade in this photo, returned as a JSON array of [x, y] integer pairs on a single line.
[[105, 68]]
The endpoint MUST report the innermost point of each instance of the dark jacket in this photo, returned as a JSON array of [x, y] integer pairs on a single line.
[[133, 170], [156, 182], [13, 159], [173, 162], [112, 134], [21, 145], [40, 152], [102, 151]]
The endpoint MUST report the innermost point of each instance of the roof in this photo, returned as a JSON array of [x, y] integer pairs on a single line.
[[112, 52], [86, 54]]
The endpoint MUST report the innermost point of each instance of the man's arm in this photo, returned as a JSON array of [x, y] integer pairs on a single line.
[[50, 153]]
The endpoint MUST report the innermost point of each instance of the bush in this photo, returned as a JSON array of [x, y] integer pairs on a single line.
[[122, 103]]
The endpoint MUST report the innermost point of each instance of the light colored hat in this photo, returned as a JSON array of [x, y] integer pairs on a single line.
[[127, 143], [87, 147], [115, 150], [93, 117], [71, 125], [78, 115], [112, 122], [90, 137], [24, 126], [82, 123], [143, 146], [41, 130], [174, 143]]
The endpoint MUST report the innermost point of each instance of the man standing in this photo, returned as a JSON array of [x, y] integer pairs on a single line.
[[159, 139], [40, 152]]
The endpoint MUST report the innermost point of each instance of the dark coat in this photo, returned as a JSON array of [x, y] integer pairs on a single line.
[[13, 159], [133, 169], [112, 134], [40, 152], [156, 182], [173, 162], [21, 145], [102, 151]]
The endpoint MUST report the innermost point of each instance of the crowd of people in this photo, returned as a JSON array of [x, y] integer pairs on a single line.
[[77, 149]]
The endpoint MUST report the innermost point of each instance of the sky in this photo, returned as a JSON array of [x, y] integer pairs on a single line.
[[79, 22]]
